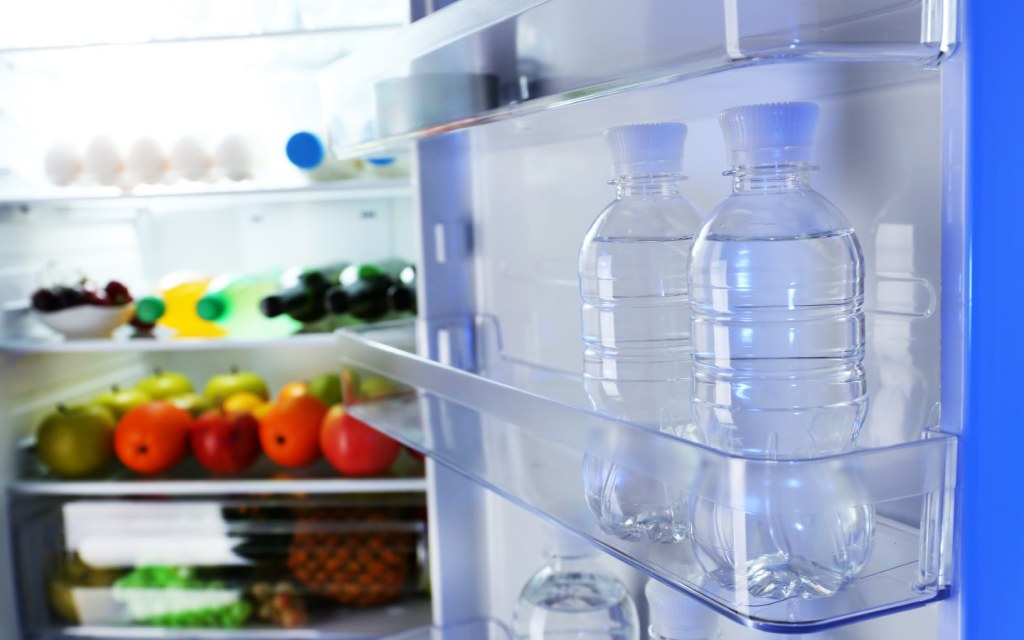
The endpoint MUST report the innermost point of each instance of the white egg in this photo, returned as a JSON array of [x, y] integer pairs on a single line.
[[190, 158], [62, 164], [235, 157], [102, 161], [146, 161]]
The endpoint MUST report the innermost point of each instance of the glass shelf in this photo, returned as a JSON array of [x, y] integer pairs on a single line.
[[284, 46], [481, 61], [523, 433], [190, 479], [470, 630], [348, 625], [155, 197], [111, 345]]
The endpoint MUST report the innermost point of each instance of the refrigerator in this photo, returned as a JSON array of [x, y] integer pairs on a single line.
[[499, 108]]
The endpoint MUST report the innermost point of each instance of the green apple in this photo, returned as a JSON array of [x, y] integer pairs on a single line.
[[75, 444], [222, 385], [326, 388], [377, 387], [164, 384], [194, 403], [120, 401], [103, 413]]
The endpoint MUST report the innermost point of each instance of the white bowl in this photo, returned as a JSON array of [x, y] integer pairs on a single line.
[[86, 320]]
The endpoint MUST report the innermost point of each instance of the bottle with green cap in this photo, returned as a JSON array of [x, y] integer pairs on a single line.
[[301, 296], [232, 302], [173, 306]]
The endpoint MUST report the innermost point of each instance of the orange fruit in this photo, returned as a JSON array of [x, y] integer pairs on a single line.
[[152, 437], [290, 432], [241, 402], [293, 390]]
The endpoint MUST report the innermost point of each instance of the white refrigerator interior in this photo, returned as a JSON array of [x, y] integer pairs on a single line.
[[500, 110]]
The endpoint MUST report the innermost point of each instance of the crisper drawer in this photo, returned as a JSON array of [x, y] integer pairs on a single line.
[[522, 432], [256, 566]]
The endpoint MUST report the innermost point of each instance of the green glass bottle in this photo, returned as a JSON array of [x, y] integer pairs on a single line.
[[362, 292], [301, 296]]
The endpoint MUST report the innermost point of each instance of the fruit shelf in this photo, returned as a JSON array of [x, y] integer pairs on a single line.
[[190, 479], [159, 196], [522, 432], [543, 55]]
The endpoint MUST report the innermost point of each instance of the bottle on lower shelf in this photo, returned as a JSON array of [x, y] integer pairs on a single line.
[[675, 616], [572, 597]]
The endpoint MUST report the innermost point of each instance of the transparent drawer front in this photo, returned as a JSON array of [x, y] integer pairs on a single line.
[[522, 432], [323, 566]]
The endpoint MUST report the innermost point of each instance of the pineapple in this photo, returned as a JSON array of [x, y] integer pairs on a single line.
[[336, 553]]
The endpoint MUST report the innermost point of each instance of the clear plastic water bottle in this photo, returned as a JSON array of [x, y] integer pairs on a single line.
[[636, 322], [571, 597], [777, 286], [675, 616]]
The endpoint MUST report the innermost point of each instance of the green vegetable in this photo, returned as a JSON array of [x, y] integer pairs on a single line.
[[175, 597]]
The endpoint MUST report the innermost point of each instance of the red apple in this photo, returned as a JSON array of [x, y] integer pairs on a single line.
[[225, 443], [353, 447]]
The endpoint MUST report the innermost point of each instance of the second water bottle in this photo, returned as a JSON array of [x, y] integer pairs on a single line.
[[777, 290]]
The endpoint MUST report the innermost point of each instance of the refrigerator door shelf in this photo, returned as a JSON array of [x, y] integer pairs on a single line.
[[524, 433], [542, 55]]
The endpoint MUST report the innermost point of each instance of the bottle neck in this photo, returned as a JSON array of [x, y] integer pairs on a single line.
[[565, 562], [773, 178], [666, 185], [653, 635]]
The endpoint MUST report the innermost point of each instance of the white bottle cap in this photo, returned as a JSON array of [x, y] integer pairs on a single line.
[[647, 149], [775, 133], [677, 616]]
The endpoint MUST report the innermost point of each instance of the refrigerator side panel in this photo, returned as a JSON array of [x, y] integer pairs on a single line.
[[991, 515]]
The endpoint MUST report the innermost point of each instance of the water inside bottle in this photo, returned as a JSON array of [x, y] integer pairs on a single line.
[[778, 337], [636, 319], [576, 605]]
